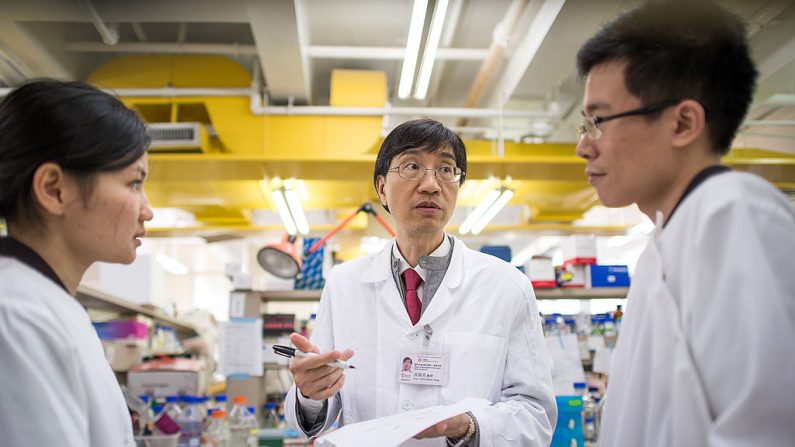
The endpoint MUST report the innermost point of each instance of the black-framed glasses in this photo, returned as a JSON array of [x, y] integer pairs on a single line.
[[411, 170], [590, 124]]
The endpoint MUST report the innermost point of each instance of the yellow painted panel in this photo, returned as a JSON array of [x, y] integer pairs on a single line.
[[362, 88], [320, 136], [178, 71], [240, 132]]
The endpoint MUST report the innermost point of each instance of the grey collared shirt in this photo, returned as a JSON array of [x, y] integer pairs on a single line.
[[430, 268]]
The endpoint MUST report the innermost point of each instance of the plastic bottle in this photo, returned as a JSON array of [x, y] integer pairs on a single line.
[[270, 416], [595, 398], [588, 412], [219, 402], [238, 424], [252, 440], [172, 407], [598, 420], [310, 325], [589, 430], [618, 316], [217, 433], [579, 388], [191, 423]]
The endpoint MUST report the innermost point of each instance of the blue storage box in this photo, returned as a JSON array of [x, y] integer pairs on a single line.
[[501, 251], [569, 426], [608, 275], [311, 276]]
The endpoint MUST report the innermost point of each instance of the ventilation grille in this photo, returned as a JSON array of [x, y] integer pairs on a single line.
[[175, 136]]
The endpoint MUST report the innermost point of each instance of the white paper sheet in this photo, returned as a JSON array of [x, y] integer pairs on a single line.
[[392, 431], [567, 368], [241, 347]]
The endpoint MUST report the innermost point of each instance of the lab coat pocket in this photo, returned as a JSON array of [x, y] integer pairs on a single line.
[[475, 361]]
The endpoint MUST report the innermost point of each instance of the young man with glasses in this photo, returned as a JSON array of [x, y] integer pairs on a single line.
[[705, 354], [469, 321]]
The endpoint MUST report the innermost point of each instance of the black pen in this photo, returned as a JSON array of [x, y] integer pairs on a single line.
[[286, 351]]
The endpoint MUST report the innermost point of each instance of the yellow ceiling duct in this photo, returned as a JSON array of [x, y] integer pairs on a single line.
[[234, 149]]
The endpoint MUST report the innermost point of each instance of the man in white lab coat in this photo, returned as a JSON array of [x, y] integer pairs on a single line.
[[468, 321], [705, 355]]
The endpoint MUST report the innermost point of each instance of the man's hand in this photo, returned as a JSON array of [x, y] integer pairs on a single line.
[[313, 377], [455, 427]]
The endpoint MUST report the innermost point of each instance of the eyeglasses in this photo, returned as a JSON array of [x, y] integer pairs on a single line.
[[411, 170], [590, 124]]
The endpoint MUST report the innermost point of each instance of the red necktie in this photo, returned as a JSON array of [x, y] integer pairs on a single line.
[[413, 304]]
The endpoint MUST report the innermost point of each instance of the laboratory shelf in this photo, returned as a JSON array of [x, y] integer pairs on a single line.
[[582, 294], [541, 294], [96, 299]]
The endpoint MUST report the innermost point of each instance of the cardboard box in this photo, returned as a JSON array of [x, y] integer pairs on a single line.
[[165, 383], [122, 355], [578, 277], [131, 330], [608, 275], [579, 249], [541, 273]]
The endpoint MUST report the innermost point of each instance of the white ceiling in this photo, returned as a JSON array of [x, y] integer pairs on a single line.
[[297, 44]]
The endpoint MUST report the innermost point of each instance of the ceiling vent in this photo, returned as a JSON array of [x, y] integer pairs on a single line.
[[177, 137]]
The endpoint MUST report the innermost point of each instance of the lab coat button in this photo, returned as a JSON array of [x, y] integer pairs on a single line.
[[406, 404], [412, 336]]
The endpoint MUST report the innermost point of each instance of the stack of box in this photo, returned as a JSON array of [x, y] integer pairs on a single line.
[[167, 377], [579, 252], [541, 272], [124, 341]]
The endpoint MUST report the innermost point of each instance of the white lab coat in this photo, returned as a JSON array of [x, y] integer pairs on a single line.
[[56, 387], [705, 356], [484, 314]]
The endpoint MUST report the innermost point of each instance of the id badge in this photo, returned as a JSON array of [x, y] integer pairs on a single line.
[[423, 369]]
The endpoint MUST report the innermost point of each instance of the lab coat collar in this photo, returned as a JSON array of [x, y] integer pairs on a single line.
[[381, 270], [15, 249]]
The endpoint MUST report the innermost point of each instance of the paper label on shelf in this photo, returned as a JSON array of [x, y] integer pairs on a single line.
[[241, 347], [237, 305], [596, 342]]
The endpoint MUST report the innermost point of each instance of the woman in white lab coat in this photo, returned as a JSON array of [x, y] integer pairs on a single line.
[[72, 166], [481, 326]]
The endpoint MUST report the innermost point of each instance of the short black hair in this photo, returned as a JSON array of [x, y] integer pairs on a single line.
[[424, 134], [79, 127], [680, 50]]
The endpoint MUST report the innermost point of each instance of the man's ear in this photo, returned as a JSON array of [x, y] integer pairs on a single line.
[[690, 122], [380, 185], [51, 188]]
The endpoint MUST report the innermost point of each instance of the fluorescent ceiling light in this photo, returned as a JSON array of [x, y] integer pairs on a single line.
[[284, 212], [479, 210], [294, 203], [412, 47], [171, 265], [495, 208], [429, 56]]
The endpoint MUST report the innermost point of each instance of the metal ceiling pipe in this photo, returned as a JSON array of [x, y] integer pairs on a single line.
[[109, 36], [390, 53], [164, 48], [402, 111], [499, 43]]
